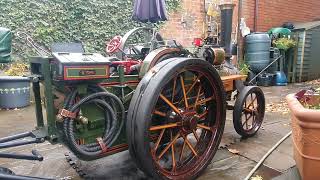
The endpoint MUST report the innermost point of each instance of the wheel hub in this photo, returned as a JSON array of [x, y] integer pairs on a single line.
[[189, 121]]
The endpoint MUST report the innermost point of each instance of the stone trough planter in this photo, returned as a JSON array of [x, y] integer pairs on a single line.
[[306, 138], [14, 92]]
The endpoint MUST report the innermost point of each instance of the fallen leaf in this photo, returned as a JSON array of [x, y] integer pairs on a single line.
[[257, 177], [233, 151]]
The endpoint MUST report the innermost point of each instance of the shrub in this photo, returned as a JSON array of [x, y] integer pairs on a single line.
[[47, 21]]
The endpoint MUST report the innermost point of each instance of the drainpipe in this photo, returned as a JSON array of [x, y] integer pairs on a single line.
[[239, 38], [256, 15]]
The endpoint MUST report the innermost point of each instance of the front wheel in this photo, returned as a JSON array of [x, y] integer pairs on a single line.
[[176, 119], [249, 111]]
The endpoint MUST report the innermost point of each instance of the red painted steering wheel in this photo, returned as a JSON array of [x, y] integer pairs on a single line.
[[113, 45]]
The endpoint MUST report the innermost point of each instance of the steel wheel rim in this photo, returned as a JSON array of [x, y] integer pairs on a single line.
[[251, 113], [181, 128]]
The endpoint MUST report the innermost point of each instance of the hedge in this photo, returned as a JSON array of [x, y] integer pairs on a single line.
[[92, 22]]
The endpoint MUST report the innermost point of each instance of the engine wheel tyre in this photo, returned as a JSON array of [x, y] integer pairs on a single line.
[[130, 129], [174, 137], [249, 110], [4, 170]]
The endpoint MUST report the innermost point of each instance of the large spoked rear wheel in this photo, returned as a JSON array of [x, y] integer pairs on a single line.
[[176, 119], [249, 111]]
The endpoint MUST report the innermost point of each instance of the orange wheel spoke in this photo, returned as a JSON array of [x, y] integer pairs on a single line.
[[245, 122], [247, 119], [190, 146], [169, 146], [252, 102], [172, 154], [160, 113], [174, 108], [197, 99], [247, 110], [195, 135], [159, 140], [205, 127], [160, 127], [181, 152], [184, 92], [193, 84], [205, 100], [203, 114]]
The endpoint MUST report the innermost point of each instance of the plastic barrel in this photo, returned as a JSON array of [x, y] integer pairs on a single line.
[[14, 92], [257, 51]]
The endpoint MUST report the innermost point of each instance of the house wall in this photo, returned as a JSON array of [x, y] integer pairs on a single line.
[[272, 13], [187, 23]]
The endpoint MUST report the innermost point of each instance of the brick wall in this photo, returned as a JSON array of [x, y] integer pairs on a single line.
[[272, 13], [185, 24]]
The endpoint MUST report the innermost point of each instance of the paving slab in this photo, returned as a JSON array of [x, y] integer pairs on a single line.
[[290, 174], [256, 147], [232, 168]]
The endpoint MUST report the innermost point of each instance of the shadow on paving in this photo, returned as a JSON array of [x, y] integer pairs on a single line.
[[120, 166]]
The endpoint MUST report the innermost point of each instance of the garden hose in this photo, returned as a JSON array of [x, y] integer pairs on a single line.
[[112, 106]]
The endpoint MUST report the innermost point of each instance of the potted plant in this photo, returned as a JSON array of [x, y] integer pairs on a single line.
[[14, 88], [285, 43], [305, 117]]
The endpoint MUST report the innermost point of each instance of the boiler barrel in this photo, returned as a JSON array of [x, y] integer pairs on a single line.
[[258, 51]]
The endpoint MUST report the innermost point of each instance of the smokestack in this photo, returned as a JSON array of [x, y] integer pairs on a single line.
[[226, 28]]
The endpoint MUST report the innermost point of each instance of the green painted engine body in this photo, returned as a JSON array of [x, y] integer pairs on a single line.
[[55, 90]]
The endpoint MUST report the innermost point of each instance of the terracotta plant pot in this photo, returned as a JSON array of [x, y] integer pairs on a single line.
[[306, 138]]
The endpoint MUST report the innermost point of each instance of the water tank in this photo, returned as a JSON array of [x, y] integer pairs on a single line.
[[5, 45], [257, 51]]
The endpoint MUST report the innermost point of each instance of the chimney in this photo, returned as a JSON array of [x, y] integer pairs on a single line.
[[226, 28]]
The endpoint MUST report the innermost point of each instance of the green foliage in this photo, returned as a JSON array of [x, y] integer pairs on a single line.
[[92, 22], [244, 68], [173, 5], [285, 43], [17, 69]]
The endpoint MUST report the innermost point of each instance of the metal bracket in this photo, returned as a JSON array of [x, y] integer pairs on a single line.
[[102, 145], [68, 114]]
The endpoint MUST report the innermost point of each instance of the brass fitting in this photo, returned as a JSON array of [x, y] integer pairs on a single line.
[[59, 118], [83, 120]]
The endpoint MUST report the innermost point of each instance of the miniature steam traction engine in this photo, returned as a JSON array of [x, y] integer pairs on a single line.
[[168, 109]]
